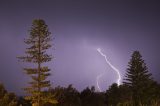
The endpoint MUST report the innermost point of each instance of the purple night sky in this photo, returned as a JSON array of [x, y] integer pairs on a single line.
[[79, 28]]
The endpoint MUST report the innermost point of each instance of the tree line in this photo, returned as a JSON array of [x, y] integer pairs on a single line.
[[138, 87]]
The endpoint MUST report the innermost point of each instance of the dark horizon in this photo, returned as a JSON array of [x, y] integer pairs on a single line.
[[79, 28]]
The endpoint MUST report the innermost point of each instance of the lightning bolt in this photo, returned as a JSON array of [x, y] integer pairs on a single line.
[[97, 79], [115, 69]]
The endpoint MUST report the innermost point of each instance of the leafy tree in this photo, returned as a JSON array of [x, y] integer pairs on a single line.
[[91, 98], [67, 96], [113, 95], [59, 93], [2, 91], [7, 99], [23, 102], [155, 94], [125, 94], [85, 96], [117, 95], [72, 96], [138, 79], [38, 42]]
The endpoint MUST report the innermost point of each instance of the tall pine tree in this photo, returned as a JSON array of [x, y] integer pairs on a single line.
[[39, 42], [138, 79]]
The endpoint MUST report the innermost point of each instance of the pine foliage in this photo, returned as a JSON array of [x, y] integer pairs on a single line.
[[39, 42], [138, 79]]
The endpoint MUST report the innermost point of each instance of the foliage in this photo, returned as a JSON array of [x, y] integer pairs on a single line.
[[66, 96], [23, 102], [138, 79], [2, 91], [91, 98], [7, 99], [38, 42], [117, 95], [113, 95]]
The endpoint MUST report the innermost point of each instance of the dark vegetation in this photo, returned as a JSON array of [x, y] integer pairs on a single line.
[[138, 87]]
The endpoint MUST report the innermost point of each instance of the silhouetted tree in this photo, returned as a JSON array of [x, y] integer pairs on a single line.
[[86, 96], [91, 98], [39, 42], [155, 94], [59, 93], [138, 79], [71, 97], [67, 96], [117, 95], [113, 95], [125, 94]]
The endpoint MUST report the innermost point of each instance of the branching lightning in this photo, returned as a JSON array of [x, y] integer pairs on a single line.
[[115, 69]]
